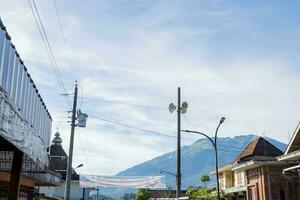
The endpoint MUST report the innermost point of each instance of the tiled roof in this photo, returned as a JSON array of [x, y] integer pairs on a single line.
[[258, 149]]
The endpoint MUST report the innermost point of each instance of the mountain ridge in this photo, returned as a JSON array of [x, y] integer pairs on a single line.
[[197, 159]]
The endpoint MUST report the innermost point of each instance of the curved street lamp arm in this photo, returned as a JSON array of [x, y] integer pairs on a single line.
[[217, 129], [216, 134], [200, 133]]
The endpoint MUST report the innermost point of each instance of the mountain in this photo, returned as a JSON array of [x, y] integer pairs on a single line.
[[197, 159]]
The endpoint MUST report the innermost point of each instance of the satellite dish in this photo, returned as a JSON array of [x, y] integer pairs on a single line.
[[172, 107]]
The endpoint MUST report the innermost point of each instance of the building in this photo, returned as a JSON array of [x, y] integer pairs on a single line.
[[292, 156], [25, 128], [58, 163], [257, 175]]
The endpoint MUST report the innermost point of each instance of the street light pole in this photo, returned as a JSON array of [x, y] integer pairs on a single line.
[[216, 153], [178, 177], [214, 143], [97, 193], [180, 109]]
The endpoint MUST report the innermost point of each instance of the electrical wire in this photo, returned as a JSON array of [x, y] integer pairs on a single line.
[[47, 46], [64, 40], [124, 103], [132, 127]]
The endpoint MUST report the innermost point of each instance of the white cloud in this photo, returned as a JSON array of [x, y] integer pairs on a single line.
[[142, 58]]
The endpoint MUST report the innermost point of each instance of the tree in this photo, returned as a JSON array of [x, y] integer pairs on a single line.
[[204, 179], [143, 194], [204, 194]]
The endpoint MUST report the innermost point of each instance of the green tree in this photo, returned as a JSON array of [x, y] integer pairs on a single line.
[[143, 194], [204, 179], [204, 194]]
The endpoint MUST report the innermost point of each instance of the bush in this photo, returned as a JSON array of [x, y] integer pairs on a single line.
[[143, 194]]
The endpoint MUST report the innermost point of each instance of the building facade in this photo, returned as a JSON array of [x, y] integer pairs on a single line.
[[292, 156], [25, 127], [257, 175]]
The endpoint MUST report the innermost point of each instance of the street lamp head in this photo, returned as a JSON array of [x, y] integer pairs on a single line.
[[172, 107], [222, 120], [80, 165]]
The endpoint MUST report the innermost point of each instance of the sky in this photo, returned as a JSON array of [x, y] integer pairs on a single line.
[[237, 59]]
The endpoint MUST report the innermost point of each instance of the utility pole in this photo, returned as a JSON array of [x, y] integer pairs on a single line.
[[70, 158], [181, 109], [178, 177]]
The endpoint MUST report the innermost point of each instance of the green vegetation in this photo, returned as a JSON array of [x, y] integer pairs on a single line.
[[143, 194], [203, 194], [204, 179]]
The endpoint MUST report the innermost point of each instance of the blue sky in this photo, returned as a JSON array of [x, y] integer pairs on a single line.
[[237, 59]]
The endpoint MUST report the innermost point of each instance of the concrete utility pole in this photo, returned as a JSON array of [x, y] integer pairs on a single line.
[[70, 158]]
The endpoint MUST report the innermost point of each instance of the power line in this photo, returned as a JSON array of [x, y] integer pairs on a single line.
[[64, 39], [51, 53], [47, 46], [131, 127], [124, 103]]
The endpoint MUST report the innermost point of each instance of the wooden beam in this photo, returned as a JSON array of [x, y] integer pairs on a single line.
[[14, 186]]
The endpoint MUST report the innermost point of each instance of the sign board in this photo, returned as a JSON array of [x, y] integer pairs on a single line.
[[151, 182], [6, 158], [15, 129]]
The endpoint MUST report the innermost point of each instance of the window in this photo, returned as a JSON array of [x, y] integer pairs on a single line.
[[252, 193]]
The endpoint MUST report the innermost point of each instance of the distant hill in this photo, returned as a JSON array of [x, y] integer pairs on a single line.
[[197, 159]]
